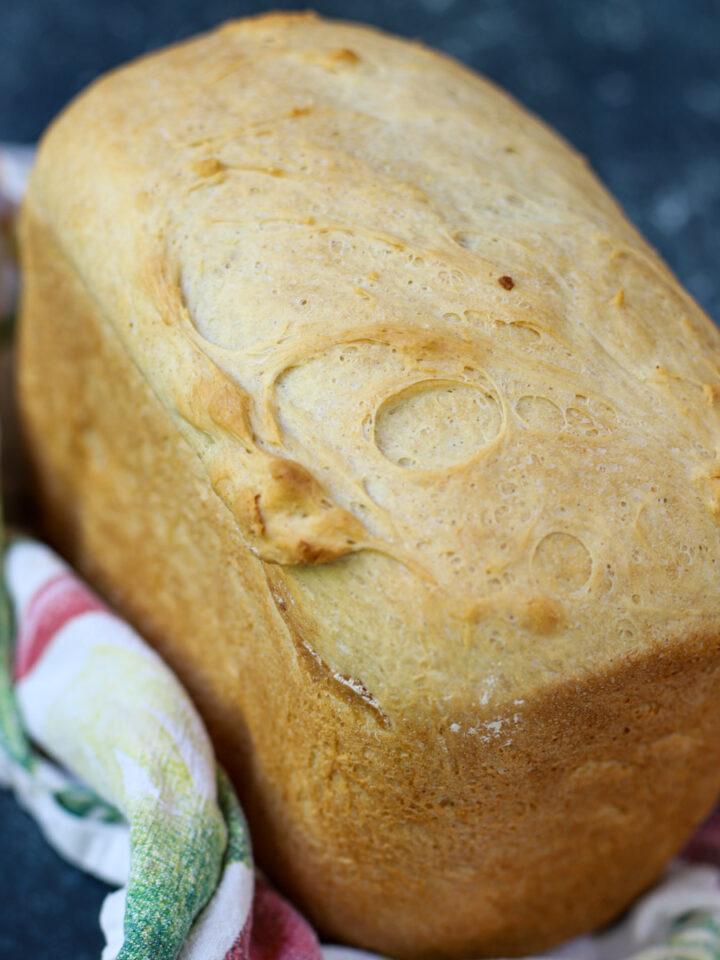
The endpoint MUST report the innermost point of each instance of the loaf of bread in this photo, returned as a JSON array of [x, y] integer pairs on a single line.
[[347, 382]]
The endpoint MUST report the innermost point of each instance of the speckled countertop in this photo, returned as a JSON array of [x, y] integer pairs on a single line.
[[634, 84]]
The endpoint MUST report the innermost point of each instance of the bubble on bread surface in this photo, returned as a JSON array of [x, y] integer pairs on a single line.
[[209, 292], [522, 334], [437, 423], [562, 563], [347, 372], [540, 412]]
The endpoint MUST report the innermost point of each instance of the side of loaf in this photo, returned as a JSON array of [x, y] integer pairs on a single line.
[[346, 381]]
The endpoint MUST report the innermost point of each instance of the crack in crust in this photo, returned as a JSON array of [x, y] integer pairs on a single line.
[[349, 688]]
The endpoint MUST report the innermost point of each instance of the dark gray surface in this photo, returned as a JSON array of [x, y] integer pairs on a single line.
[[634, 85], [47, 909]]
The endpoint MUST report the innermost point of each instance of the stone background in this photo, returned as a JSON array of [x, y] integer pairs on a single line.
[[634, 84]]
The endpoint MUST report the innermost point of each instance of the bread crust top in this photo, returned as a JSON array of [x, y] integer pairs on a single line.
[[467, 416]]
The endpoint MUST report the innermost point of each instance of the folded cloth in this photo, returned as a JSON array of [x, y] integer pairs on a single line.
[[133, 795], [149, 808]]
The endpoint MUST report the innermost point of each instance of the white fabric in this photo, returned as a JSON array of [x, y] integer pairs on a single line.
[[214, 931], [112, 918], [15, 163]]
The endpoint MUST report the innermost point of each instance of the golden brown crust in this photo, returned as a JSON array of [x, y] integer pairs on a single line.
[[281, 333]]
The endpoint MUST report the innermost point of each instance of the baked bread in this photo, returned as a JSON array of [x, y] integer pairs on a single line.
[[348, 383]]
